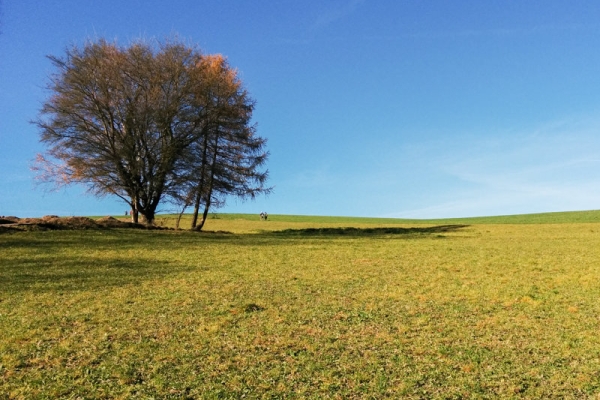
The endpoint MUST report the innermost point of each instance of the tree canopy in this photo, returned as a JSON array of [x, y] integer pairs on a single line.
[[150, 123]]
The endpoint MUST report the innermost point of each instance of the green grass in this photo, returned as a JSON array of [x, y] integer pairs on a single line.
[[567, 217], [540, 218], [301, 307]]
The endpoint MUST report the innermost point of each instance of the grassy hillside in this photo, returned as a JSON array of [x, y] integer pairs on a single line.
[[568, 217], [218, 219], [320, 308]]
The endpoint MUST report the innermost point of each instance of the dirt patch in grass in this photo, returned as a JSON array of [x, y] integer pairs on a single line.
[[54, 222]]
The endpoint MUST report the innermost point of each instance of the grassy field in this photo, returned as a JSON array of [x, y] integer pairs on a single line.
[[305, 307], [569, 217]]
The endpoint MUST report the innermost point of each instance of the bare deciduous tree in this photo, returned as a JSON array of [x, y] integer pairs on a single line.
[[226, 159], [133, 122]]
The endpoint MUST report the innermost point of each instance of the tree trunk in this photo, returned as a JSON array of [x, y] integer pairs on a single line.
[[196, 208], [210, 183], [134, 211], [201, 182], [204, 215], [148, 216], [179, 217]]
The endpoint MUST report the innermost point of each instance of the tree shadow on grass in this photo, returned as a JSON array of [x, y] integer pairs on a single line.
[[46, 274], [383, 231]]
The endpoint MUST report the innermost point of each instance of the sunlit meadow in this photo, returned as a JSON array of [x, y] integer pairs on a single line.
[[305, 307]]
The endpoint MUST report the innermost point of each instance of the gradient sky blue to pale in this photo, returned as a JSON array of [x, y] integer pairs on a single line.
[[372, 108]]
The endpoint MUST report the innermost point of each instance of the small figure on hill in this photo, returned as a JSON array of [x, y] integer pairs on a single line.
[[263, 216]]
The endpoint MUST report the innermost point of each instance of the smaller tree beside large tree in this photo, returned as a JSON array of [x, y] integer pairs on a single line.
[[146, 123], [226, 159]]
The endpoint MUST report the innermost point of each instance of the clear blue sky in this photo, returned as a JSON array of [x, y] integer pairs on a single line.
[[371, 108]]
